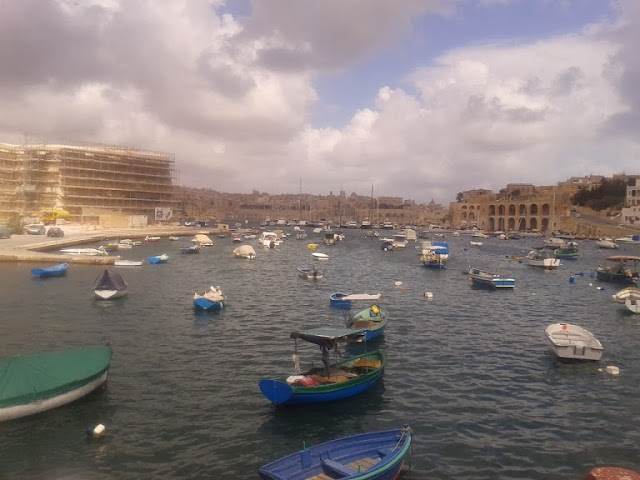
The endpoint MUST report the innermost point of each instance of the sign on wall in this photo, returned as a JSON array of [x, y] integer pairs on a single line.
[[163, 213]]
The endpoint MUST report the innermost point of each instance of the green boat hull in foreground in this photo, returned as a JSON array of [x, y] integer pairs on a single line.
[[31, 384]]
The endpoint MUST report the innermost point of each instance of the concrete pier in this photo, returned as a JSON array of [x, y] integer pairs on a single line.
[[38, 248]]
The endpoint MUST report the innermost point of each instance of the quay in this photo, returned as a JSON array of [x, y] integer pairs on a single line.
[[38, 248]]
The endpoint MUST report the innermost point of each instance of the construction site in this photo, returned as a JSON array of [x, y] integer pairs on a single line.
[[90, 183]]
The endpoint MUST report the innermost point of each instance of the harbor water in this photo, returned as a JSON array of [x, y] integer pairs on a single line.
[[469, 370]]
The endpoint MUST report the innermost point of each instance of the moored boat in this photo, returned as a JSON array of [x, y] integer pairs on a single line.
[[35, 383], [212, 299], [158, 258], [571, 342], [127, 263], [90, 252], [567, 251], [53, 271], [624, 270], [543, 259], [191, 249], [607, 243], [320, 256], [373, 320], [109, 285], [336, 380], [435, 255], [309, 272], [493, 281], [367, 456], [244, 251], [343, 300]]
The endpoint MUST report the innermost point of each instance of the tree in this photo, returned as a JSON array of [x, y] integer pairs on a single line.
[[459, 197]]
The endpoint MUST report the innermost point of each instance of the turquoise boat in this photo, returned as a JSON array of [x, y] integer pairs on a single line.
[[31, 384], [373, 320]]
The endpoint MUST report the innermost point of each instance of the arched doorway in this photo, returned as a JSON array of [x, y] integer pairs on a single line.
[[533, 224], [492, 210], [501, 223], [501, 210], [522, 224], [545, 209], [523, 209], [492, 224], [511, 223], [533, 209], [544, 224], [512, 209]]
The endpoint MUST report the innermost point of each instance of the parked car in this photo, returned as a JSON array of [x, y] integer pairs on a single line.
[[36, 229], [5, 231], [55, 232]]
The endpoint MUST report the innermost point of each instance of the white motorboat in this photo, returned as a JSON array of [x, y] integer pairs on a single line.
[[203, 240], [244, 251], [92, 252], [571, 342], [475, 244], [629, 297], [320, 256], [607, 243], [542, 259], [128, 263], [269, 239]]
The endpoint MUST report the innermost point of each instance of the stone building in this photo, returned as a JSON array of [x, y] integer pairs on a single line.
[[518, 207], [631, 212]]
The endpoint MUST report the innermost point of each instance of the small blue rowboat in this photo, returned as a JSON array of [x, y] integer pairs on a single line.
[[191, 249], [55, 271], [367, 456], [343, 300], [335, 381], [159, 258]]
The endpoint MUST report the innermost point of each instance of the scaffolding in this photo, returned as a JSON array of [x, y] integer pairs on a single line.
[[85, 181]]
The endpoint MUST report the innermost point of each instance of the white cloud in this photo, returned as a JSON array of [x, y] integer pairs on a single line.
[[231, 97]]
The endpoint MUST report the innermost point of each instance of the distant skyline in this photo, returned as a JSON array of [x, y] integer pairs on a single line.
[[421, 98]]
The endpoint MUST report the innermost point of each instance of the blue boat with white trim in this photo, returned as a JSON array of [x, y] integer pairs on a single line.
[[366, 456]]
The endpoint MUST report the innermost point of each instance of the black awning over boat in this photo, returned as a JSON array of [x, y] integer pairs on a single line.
[[327, 336], [109, 280]]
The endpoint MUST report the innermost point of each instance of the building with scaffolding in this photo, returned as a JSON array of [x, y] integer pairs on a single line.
[[86, 181]]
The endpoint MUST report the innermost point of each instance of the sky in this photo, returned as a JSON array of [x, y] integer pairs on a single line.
[[419, 99]]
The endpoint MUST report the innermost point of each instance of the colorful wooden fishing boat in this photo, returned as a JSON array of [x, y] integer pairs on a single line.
[[159, 258], [54, 271], [624, 270], [567, 251], [436, 255], [367, 456], [336, 380], [373, 320], [31, 384], [212, 299]]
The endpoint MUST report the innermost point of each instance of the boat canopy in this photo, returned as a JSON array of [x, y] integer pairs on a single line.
[[109, 280], [327, 336], [29, 378], [623, 258]]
